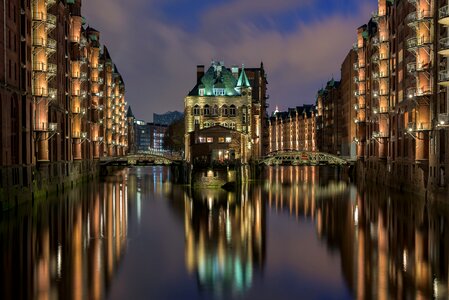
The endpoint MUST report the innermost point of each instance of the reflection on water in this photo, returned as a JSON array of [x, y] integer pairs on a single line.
[[225, 239], [302, 232], [65, 248]]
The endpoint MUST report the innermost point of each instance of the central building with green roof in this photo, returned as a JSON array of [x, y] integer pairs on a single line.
[[221, 101]]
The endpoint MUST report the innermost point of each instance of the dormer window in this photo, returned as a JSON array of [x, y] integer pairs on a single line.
[[219, 92], [201, 92]]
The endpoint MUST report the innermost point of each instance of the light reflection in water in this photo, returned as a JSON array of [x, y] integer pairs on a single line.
[[224, 239], [65, 248], [389, 245]]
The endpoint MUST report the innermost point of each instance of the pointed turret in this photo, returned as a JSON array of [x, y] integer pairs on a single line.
[[243, 81], [130, 114]]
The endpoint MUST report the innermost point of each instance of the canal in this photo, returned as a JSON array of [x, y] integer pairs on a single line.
[[301, 232]]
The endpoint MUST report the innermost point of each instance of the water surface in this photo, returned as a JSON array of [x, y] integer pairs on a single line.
[[302, 232]]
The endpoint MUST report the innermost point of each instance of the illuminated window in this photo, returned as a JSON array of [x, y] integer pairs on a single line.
[[210, 139], [219, 92], [202, 139], [221, 139], [201, 92], [228, 139]]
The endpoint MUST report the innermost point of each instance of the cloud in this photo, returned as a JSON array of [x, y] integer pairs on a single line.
[[157, 58]]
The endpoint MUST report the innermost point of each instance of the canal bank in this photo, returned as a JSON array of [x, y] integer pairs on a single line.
[[19, 185], [402, 176]]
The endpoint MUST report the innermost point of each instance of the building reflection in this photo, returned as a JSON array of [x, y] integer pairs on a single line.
[[225, 238], [391, 245], [65, 248]]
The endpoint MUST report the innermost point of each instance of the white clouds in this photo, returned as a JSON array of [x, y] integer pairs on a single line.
[[158, 59]]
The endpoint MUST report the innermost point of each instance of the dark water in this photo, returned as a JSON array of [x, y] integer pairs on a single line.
[[301, 233]]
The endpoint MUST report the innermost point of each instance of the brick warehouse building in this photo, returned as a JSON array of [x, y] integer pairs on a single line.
[[402, 100], [62, 98]]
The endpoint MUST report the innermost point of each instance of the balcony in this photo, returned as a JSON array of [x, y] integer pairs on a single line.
[[419, 92], [359, 93], [413, 43], [443, 120], [39, 42], [38, 16], [51, 46], [381, 110], [383, 75], [444, 47], [51, 22], [384, 56], [418, 16], [357, 79], [83, 41], [51, 70], [79, 135], [39, 67], [420, 126], [380, 135], [83, 76], [79, 110], [40, 92], [443, 78], [443, 15], [52, 93], [46, 127]]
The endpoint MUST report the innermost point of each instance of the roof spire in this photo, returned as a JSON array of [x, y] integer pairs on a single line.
[[130, 114], [243, 79]]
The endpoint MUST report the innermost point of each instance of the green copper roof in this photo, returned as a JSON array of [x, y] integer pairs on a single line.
[[71, 1], [243, 79], [216, 77]]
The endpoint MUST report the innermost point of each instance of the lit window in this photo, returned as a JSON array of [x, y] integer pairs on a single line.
[[210, 139], [228, 139], [202, 139], [221, 139], [201, 92]]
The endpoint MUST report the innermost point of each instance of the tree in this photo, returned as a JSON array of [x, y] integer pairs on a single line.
[[174, 136]]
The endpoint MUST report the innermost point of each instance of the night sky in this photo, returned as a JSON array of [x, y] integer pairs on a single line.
[[157, 44]]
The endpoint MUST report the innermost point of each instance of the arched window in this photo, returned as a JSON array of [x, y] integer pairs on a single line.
[[232, 110], [224, 110], [196, 110], [206, 110]]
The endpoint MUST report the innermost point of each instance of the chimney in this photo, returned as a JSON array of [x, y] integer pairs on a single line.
[[235, 72], [199, 72]]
